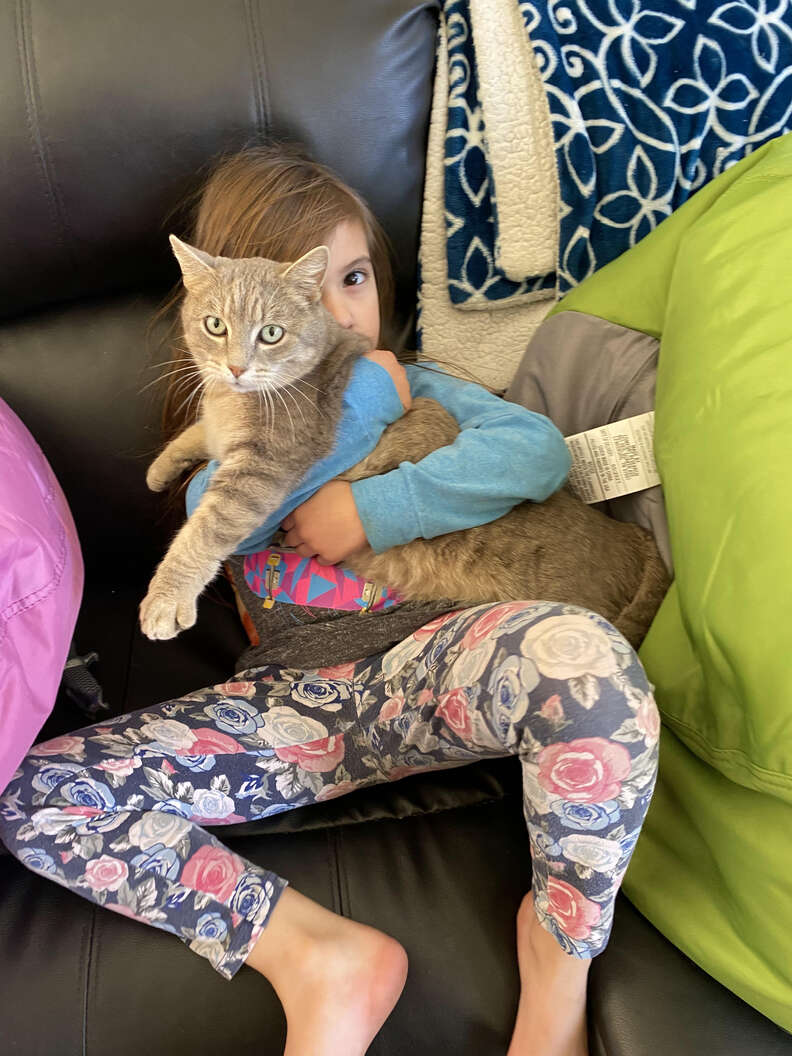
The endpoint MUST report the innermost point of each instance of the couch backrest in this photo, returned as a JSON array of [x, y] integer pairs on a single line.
[[110, 114]]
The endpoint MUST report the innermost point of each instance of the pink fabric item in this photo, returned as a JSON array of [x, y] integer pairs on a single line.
[[41, 581], [303, 581]]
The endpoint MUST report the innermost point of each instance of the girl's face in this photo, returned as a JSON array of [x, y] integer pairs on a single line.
[[349, 292]]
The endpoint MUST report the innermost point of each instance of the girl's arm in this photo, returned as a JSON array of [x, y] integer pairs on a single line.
[[371, 402], [503, 455]]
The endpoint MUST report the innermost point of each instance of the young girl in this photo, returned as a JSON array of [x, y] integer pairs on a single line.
[[116, 811]]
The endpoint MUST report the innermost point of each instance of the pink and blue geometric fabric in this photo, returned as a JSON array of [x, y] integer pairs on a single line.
[[284, 575]]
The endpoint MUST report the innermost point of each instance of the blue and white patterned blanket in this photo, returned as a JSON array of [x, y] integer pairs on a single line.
[[648, 102]]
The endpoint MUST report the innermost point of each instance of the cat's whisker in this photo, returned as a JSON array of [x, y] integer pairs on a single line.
[[171, 362], [289, 381], [170, 374], [287, 390], [308, 399], [305, 396], [187, 401], [182, 364], [271, 412], [270, 418], [191, 380], [276, 392], [191, 373], [263, 416], [178, 389], [209, 383], [198, 389], [191, 386], [264, 409]]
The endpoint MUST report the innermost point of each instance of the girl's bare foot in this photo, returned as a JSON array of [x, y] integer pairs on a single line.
[[337, 980], [551, 1016]]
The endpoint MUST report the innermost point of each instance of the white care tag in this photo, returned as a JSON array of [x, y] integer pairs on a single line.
[[613, 460]]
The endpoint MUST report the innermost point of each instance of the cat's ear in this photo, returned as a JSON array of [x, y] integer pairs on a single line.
[[309, 271], [194, 263]]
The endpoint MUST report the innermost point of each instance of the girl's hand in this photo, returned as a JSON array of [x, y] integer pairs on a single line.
[[397, 372], [327, 525]]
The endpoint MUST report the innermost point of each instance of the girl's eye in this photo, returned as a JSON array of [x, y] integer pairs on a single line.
[[355, 278], [215, 326], [271, 334]]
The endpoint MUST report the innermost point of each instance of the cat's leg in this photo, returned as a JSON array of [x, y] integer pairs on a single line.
[[182, 452], [238, 500]]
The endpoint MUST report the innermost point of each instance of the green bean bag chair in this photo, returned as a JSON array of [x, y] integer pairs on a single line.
[[713, 867]]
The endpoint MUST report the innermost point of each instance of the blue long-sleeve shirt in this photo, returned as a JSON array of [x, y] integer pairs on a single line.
[[503, 455]]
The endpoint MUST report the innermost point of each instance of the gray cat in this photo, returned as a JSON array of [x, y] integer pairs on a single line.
[[255, 329], [559, 550]]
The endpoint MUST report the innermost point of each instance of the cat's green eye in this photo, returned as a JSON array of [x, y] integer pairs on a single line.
[[271, 334], [215, 326]]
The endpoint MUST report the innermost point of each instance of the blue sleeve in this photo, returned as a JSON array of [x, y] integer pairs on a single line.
[[503, 455], [370, 404]]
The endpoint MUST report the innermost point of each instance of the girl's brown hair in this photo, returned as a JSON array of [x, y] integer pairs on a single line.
[[271, 201]]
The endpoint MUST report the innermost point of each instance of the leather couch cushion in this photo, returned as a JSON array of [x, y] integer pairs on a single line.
[[111, 113]]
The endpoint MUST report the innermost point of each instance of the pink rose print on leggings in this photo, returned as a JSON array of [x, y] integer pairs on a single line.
[[213, 870], [105, 873], [237, 689], [453, 707], [317, 756], [574, 913], [492, 618], [66, 745], [424, 633], [212, 742], [586, 770]]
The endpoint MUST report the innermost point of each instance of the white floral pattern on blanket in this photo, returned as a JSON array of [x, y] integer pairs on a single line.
[[648, 103]]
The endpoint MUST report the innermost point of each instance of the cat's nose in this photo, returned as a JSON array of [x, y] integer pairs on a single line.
[[236, 371]]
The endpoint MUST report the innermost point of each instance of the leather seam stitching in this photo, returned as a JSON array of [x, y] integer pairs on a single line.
[[331, 870], [259, 67], [87, 980], [343, 876], [34, 109], [343, 909]]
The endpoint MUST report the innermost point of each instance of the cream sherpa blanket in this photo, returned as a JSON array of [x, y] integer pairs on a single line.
[[489, 342]]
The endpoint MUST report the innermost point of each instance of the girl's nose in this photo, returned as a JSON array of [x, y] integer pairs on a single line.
[[339, 310]]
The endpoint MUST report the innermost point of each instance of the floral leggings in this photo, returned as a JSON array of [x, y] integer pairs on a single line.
[[115, 811]]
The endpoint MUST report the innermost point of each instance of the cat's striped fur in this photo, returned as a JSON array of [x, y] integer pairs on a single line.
[[266, 427]]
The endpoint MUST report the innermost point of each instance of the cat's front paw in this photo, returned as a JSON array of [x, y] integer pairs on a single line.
[[165, 614], [159, 475]]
